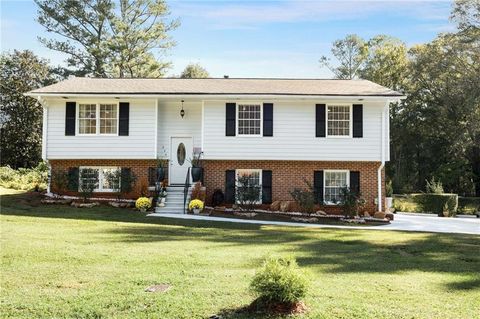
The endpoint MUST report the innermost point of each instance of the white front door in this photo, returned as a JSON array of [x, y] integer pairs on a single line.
[[181, 150]]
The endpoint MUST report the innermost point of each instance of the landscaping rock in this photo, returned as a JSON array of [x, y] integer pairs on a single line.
[[380, 215], [119, 204], [84, 205], [305, 219], [275, 206], [365, 214], [354, 221], [249, 215], [319, 213], [389, 216], [57, 201]]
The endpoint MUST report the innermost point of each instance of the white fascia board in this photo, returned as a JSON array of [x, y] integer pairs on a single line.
[[223, 96]]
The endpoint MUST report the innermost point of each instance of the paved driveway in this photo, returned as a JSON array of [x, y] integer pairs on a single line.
[[435, 224], [405, 222]]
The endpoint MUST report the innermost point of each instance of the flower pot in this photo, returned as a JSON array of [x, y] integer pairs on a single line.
[[196, 211], [160, 174], [197, 174], [162, 200], [389, 202], [143, 210]]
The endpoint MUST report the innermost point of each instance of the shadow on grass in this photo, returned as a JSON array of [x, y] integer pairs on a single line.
[[335, 251]]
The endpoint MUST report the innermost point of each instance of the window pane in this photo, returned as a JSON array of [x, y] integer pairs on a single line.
[[89, 177], [111, 179], [249, 122]]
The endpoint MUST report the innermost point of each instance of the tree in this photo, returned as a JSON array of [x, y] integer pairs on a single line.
[[139, 29], [351, 53], [21, 116], [103, 40], [466, 13], [194, 71]]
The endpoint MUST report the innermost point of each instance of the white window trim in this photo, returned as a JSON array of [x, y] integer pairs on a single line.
[[350, 124], [100, 178], [237, 171], [97, 118], [237, 118], [325, 180]]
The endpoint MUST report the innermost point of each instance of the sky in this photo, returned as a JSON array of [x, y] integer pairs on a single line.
[[258, 38]]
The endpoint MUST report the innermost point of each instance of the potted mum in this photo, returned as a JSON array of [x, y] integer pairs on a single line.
[[197, 169], [196, 206], [143, 203]]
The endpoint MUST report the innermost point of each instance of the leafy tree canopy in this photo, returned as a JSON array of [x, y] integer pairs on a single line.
[[194, 71]]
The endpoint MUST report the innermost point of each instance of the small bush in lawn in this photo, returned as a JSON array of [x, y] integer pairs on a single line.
[[280, 281], [437, 203]]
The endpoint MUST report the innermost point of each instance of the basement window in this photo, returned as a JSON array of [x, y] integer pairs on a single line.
[[104, 179]]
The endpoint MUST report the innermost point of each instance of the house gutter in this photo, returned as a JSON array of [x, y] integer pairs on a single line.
[[214, 96]]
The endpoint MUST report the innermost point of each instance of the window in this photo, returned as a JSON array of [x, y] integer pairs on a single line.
[[249, 119], [253, 179], [334, 182], [338, 120], [94, 119], [106, 178]]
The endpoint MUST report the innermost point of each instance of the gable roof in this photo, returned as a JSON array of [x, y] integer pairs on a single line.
[[216, 86]]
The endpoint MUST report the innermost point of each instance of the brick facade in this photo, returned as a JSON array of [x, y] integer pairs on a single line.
[[285, 175]]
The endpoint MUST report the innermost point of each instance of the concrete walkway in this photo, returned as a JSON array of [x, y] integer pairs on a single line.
[[404, 222]]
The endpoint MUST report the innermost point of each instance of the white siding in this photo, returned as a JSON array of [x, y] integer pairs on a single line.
[[293, 135], [170, 124], [140, 144]]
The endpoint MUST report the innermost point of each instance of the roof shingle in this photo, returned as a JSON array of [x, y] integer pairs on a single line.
[[229, 86]]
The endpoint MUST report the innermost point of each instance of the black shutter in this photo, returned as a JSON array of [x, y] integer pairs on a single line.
[[267, 119], [357, 120], [230, 112], [266, 187], [230, 186], [320, 120], [123, 118], [152, 176], [70, 114], [73, 179], [355, 182], [318, 186]]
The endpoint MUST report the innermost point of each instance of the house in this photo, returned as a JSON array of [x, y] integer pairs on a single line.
[[333, 133]]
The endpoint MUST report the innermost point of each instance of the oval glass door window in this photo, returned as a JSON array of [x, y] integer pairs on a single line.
[[181, 154]]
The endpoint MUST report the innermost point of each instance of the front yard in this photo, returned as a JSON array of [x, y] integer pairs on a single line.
[[63, 262]]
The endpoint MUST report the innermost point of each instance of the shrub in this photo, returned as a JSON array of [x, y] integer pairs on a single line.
[[351, 202], [89, 182], [217, 198], [143, 203], [60, 180], [24, 178], [434, 187], [280, 280], [437, 203], [304, 197], [468, 205], [247, 194], [198, 192], [389, 189], [195, 203]]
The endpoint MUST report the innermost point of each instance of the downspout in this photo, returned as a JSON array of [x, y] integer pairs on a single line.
[[382, 155], [45, 139]]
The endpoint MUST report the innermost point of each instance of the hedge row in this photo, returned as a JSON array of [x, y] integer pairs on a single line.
[[440, 204]]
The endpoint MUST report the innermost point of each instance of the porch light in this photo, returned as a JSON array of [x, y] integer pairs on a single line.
[[182, 111]]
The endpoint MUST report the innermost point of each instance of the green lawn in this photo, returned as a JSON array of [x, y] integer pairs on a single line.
[[62, 262]]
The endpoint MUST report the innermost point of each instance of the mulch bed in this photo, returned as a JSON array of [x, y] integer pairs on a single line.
[[293, 217], [281, 309]]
